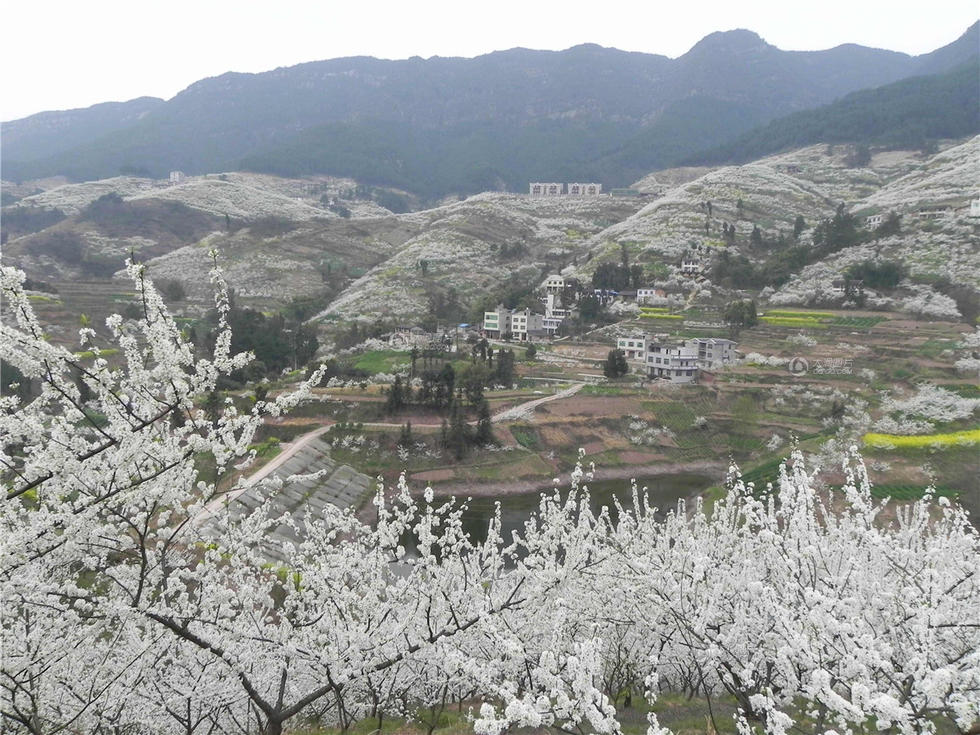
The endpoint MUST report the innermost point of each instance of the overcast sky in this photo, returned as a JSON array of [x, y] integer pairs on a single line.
[[62, 54]]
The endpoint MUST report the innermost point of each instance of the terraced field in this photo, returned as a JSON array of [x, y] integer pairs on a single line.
[[338, 485]]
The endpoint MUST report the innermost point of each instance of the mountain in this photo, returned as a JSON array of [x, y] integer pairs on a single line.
[[50, 133], [908, 113], [449, 125], [951, 55]]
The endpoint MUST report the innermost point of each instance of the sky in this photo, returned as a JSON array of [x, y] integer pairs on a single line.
[[63, 54]]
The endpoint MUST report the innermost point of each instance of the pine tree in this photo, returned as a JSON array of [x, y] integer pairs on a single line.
[[615, 365], [405, 438], [798, 226], [458, 430], [396, 397], [484, 426]]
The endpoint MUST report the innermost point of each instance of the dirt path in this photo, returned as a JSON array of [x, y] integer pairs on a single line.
[[508, 414], [520, 410], [284, 456]]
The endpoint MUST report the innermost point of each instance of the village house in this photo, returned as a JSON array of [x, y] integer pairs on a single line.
[[406, 336], [840, 286], [713, 352], [691, 265], [678, 361], [873, 222], [934, 212], [553, 284], [675, 363], [975, 207], [521, 325], [554, 315], [646, 295], [633, 347], [551, 308]]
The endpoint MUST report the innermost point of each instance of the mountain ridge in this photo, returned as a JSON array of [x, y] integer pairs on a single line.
[[468, 111]]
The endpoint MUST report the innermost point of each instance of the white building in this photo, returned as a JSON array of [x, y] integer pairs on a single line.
[[934, 212], [492, 321], [554, 284], [690, 265], [975, 207], [680, 362], [873, 222], [177, 177], [584, 190], [646, 295], [521, 325], [676, 363], [634, 348], [551, 308], [540, 189], [713, 352]]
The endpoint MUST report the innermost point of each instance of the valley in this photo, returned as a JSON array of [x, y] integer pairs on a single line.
[[282, 242]]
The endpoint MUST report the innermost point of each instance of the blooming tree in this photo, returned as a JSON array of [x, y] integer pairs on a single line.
[[133, 601]]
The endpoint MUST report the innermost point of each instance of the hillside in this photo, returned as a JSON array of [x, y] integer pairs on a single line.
[[809, 182], [460, 242], [88, 229], [284, 238], [441, 126], [908, 113], [50, 133], [475, 251]]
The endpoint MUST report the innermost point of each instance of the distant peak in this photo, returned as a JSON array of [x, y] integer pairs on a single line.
[[739, 39]]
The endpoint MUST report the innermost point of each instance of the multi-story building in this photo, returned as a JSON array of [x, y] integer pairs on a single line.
[[681, 362], [520, 324], [496, 322], [634, 348], [551, 189], [676, 363], [934, 212], [584, 190], [691, 265], [713, 352], [553, 284]]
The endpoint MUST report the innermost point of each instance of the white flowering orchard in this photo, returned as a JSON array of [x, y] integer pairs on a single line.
[[126, 609]]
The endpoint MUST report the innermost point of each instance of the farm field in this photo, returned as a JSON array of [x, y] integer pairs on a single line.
[[752, 413]]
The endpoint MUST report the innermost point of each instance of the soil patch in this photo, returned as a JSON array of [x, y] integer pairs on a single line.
[[434, 475]]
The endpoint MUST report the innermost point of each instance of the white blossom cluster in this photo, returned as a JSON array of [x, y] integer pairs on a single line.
[[756, 358], [237, 200], [136, 597], [466, 238], [940, 179], [73, 198], [927, 302], [922, 411], [801, 339], [645, 433]]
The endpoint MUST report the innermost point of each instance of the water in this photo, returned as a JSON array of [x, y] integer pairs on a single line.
[[663, 490]]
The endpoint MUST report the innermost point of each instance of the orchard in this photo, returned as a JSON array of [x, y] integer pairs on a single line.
[[131, 605]]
